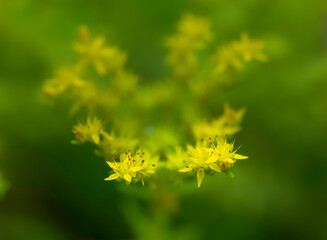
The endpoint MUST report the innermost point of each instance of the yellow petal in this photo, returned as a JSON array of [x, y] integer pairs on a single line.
[[138, 168], [215, 167], [238, 156], [112, 177], [200, 176], [96, 138], [112, 165], [186, 169], [128, 177], [142, 180], [212, 159]]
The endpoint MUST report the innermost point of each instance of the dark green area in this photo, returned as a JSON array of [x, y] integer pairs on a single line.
[[57, 189]]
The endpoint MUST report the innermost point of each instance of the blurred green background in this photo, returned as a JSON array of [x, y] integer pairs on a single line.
[[57, 189]]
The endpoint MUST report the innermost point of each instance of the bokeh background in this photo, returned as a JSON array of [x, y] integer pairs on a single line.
[[57, 189]]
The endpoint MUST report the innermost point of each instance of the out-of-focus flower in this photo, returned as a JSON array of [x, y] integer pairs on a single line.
[[65, 80], [250, 49], [89, 131], [227, 124], [176, 159], [227, 57], [234, 54], [103, 58], [113, 145], [192, 34]]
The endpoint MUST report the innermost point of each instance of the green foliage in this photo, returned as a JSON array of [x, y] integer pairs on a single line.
[[57, 190]]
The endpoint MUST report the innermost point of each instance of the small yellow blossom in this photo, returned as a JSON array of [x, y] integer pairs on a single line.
[[103, 58], [228, 124], [225, 154], [176, 159], [89, 131], [234, 54], [195, 28], [133, 166], [233, 116], [113, 145], [125, 83], [227, 57], [250, 49], [193, 34], [200, 158], [66, 79]]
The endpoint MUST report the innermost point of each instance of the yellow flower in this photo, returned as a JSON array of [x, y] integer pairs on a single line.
[[103, 58], [89, 131], [234, 54], [227, 57], [176, 159], [250, 49], [225, 154], [227, 124], [112, 145], [200, 158], [207, 155], [232, 116], [125, 83], [133, 166], [66, 79], [193, 34]]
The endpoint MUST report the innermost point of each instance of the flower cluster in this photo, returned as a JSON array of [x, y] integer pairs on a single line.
[[218, 156], [161, 116], [108, 62]]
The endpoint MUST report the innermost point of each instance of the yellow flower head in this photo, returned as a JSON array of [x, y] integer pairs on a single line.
[[89, 131], [200, 158], [234, 54], [176, 159], [195, 28], [192, 34], [103, 58], [233, 116], [133, 166], [112, 145], [66, 79], [250, 49], [227, 124], [227, 57], [225, 154]]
